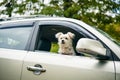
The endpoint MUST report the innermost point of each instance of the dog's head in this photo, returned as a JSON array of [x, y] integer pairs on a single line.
[[64, 38]]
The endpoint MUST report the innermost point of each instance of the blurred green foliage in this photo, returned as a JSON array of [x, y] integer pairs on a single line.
[[103, 14], [54, 47]]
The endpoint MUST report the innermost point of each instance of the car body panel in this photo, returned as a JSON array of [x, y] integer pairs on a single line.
[[11, 64], [65, 67], [117, 66]]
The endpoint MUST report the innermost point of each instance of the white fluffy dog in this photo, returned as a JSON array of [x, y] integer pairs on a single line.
[[65, 43]]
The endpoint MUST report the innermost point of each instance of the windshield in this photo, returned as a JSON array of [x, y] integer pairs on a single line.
[[108, 36]]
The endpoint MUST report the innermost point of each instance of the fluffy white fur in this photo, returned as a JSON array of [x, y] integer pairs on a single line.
[[65, 43]]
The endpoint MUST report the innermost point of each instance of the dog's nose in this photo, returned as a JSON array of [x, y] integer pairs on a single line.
[[63, 42]]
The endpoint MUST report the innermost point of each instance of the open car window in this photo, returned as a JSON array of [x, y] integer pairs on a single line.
[[46, 40]]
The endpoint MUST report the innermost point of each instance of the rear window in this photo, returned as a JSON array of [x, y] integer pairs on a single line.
[[14, 37]]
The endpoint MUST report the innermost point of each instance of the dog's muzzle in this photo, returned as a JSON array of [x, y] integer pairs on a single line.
[[63, 42]]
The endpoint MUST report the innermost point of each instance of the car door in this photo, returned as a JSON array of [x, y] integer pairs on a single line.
[[11, 64], [47, 65], [62, 67], [14, 38]]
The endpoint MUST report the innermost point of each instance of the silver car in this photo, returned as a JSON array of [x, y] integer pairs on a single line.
[[28, 51]]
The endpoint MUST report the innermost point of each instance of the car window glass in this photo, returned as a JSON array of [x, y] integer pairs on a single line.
[[14, 37]]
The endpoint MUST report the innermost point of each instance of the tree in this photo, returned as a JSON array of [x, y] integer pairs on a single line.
[[53, 9], [95, 12], [21, 7]]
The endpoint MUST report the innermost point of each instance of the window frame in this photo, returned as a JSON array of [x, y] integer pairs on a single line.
[[57, 22]]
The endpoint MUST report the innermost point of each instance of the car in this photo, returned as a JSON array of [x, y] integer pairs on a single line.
[[28, 51]]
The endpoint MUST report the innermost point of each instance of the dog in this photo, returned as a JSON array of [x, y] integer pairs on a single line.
[[65, 43]]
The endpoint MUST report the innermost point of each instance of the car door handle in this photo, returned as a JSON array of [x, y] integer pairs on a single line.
[[32, 68], [37, 69]]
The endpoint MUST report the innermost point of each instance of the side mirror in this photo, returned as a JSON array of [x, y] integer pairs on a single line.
[[91, 47]]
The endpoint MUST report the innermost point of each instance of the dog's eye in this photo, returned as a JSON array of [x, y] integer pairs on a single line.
[[66, 38], [60, 38]]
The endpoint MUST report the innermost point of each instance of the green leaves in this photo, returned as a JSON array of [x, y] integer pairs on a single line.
[[21, 7]]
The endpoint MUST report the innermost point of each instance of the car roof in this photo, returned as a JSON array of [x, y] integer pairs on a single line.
[[37, 19], [84, 25]]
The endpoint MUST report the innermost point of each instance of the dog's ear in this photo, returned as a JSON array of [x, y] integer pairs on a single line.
[[72, 35], [58, 34]]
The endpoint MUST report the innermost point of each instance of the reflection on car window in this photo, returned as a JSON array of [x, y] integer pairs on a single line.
[[14, 37]]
